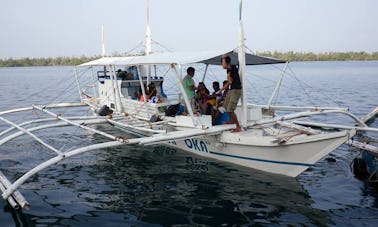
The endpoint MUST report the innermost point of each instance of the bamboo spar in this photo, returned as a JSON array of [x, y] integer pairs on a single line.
[[146, 141], [32, 135], [76, 124], [371, 115], [16, 194], [10, 199], [13, 187]]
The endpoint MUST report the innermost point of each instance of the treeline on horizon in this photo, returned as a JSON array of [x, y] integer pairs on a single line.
[[57, 61], [326, 56], [287, 56]]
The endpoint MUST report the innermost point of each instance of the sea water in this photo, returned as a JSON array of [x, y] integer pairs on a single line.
[[162, 186]]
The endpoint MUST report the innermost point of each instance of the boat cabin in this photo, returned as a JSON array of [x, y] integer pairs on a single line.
[[120, 89], [129, 84]]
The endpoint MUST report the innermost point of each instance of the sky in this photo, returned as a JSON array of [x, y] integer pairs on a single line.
[[72, 28]]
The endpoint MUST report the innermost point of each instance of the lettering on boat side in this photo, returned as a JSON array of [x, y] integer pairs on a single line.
[[197, 145], [164, 150]]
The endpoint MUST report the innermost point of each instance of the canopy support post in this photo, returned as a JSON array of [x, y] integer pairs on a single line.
[[116, 91], [143, 90], [204, 74], [94, 84], [78, 84]]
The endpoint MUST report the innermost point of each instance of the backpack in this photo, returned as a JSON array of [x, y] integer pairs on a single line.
[[172, 110]]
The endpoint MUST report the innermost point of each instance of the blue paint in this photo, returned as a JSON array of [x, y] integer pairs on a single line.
[[197, 145], [262, 160]]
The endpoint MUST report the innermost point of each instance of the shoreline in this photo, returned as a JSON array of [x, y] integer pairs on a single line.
[[290, 56]]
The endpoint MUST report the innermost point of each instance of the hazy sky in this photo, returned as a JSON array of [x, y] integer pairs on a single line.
[[51, 28]]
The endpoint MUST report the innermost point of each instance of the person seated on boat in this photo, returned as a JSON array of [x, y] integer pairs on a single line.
[[217, 115], [164, 96], [121, 74], [223, 94], [214, 97], [202, 96], [134, 72], [213, 100], [140, 96], [225, 91], [189, 87], [152, 93]]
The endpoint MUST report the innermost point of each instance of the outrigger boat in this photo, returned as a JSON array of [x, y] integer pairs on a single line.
[[270, 141]]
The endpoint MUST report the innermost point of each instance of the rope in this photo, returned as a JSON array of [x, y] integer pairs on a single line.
[[122, 139], [67, 90], [137, 111], [302, 85], [204, 130]]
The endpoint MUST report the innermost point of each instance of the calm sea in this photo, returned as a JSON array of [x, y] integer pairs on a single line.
[[160, 186]]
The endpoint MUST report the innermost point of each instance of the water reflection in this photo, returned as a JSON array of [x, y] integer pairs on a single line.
[[163, 186]]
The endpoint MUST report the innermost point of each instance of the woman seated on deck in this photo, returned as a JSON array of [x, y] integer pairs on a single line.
[[202, 95], [140, 95], [151, 94]]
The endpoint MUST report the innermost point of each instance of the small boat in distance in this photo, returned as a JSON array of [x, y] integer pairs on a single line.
[[270, 141]]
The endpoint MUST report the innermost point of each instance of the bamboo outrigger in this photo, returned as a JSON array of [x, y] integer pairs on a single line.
[[279, 144]]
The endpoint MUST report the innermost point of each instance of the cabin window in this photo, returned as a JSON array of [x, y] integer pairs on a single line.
[[133, 92], [130, 90]]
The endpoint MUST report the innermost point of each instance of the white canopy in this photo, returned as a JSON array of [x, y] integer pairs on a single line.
[[182, 58]]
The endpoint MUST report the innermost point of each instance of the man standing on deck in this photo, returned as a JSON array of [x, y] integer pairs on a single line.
[[190, 88], [234, 94]]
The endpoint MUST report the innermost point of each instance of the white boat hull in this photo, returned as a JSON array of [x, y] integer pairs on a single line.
[[289, 159]]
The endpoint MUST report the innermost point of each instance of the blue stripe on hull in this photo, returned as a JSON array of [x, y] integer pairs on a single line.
[[262, 160]]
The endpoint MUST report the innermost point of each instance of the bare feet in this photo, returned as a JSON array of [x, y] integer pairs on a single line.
[[236, 130]]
